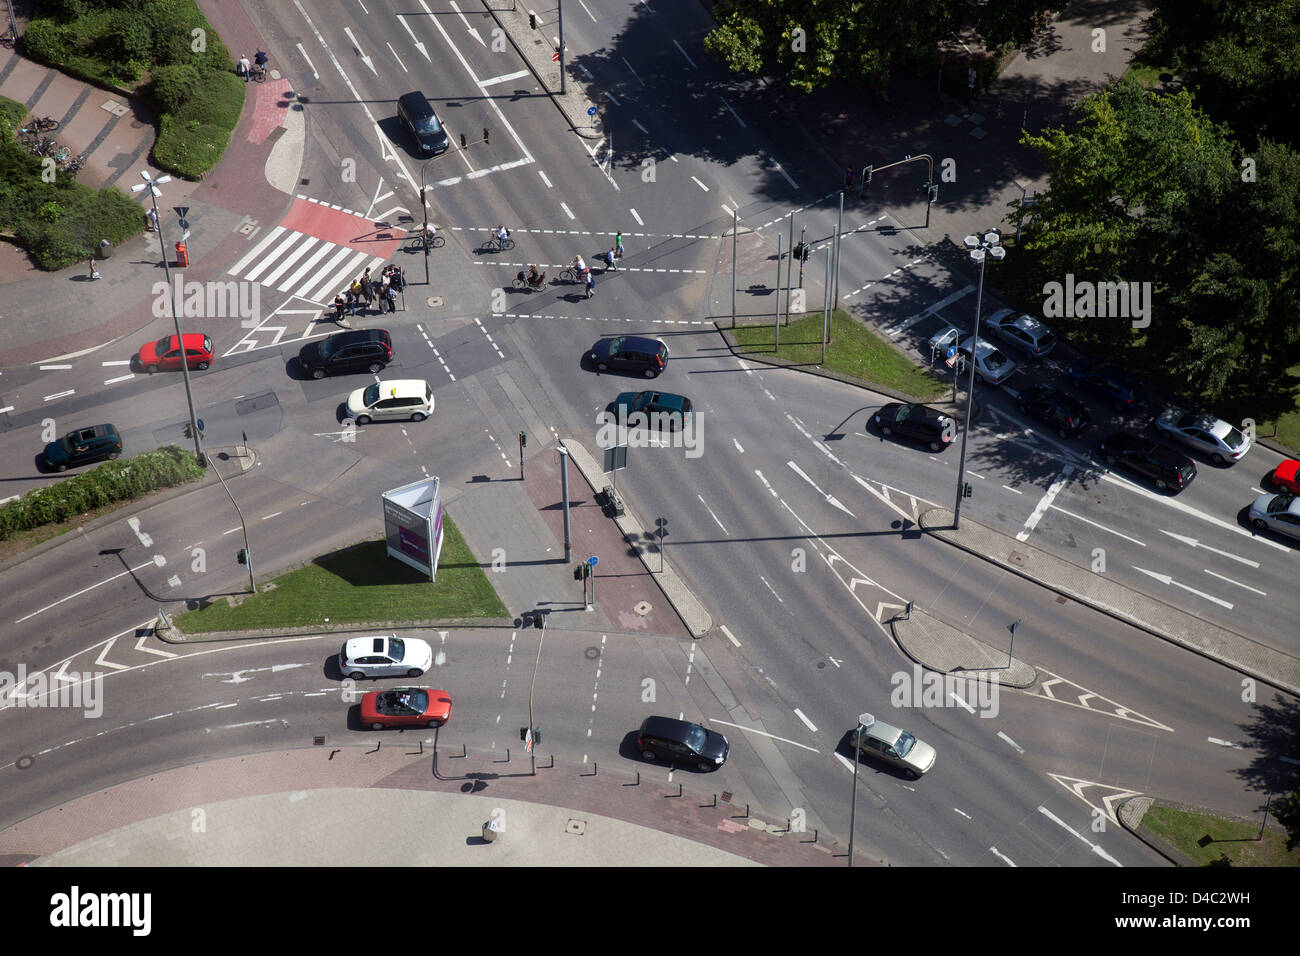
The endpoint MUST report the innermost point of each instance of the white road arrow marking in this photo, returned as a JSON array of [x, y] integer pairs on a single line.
[[1168, 579], [1096, 848], [103, 661], [418, 45], [1194, 543], [139, 646], [134, 525], [830, 499], [1045, 503], [364, 59], [472, 31]]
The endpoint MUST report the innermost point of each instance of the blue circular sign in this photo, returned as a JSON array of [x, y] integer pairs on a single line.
[[200, 424], [952, 350], [591, 111], [592, 560]]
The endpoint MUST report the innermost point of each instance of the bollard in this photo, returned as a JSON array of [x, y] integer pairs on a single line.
[[182, 255], [710, 806], [814, 839], [638, 781], [491, 831], [674, 796]]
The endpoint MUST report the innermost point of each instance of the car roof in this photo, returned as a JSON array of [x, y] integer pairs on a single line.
[[416, 102], [667, 727], [640, 343], [982, 347], [920, 411], [353, 336], [884, 732], [355, 647], [404, 387]]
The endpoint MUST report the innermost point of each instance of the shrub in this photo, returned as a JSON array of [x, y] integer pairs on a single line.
[[173, 85], [105, 484], [45, 40]]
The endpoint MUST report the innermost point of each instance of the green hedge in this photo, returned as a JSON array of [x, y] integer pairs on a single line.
[[120, 42], [106, 484]]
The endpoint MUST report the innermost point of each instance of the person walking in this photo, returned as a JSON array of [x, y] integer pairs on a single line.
[[339, 305], [94, 273], [367, 288], [351, 300], [152, 215], [391, 297], [609, 257], [591, 283], [618, 246], [243, 66]]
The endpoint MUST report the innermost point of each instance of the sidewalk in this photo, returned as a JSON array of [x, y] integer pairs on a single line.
[[300, 807]]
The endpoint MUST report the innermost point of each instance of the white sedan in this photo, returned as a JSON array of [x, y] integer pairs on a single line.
[[1277, 512], [390, 656], [1221, 441]]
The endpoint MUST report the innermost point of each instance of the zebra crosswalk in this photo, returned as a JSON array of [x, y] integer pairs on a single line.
[[316, 251]]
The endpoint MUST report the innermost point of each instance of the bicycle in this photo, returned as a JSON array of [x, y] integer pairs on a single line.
[[498, 244], [257, 74], [521, 281], [9, 37], [60, 155], [44, 147], [570, 275], [44, 124], [420, 242], [73, 166]]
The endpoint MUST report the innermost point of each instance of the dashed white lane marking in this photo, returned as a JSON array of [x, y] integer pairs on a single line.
[[685, 54], [1011, 743], [598, 318], [712, 515], [120, 378], [116, 362], [488, 336], [567, 211], [636, 217], [829, 498], [807, 723], [565, 265], [53, 368], [731, 637], [777, 166], [138, 567], [1001, 856], [50, 398], [641, 128], [700, 184], [770, 588], [733, 112], [274, 514], [1237, 583], [545, 180]]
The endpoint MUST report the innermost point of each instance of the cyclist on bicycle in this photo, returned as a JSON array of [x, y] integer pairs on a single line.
[[502, 235], [579, 266], [261, 59], [536, 279]]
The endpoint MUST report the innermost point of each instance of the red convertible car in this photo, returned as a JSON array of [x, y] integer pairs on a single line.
[[405, 707]]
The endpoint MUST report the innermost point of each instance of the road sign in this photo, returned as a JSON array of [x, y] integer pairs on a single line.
[[952, 356], [591, 111], [181, 211], [615, 458], [183, 223], [593, 561], [555, 57]]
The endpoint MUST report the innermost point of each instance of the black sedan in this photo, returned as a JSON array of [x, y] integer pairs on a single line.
[[1063, 413]]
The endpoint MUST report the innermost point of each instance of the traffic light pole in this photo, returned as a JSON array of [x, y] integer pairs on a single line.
[[248, 551], [532, 727]]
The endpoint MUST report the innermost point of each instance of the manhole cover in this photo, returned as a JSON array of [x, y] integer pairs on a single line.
[[592, 653], [1015, 557], [318, 741], [434, 301], [642, 608], [576, 827]]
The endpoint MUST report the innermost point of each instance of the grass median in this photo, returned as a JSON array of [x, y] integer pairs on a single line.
[[854, 351], [1214, 841], [360, 585]]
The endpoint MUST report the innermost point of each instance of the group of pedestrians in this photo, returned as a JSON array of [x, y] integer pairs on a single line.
[[610, 258], [365, 291]]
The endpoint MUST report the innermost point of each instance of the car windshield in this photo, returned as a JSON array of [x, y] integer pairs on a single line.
[[695, 738], [328, 348], [429, 125], [615, 346], [396, 648], [905, 412], [1046, 339], [1280, 504], [371, 395], [163, 344], [993, 359], [66, 443], [904, 745], [1234, 438]]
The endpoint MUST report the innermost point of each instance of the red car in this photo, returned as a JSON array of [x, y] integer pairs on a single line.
[[165, 355], [405, 707], [1287, 476]]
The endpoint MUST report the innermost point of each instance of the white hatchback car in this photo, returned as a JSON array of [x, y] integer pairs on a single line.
[[385, 656], [1213, 436], [991, 365], [390, 401]]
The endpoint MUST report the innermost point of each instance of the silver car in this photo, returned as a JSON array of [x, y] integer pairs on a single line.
[[1213, 436], [1277, 513], [991, 365], [895, 747], [1024, 332]]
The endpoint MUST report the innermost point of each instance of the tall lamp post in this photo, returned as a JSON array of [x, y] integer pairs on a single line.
[[864, 721], [152, 185], [981, 247]]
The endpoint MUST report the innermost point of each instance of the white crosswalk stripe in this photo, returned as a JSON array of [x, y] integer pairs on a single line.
[[326, 269]]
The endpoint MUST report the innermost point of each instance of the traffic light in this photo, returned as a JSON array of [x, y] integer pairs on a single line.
[[189, 430], [486, 138], [532, 21], [801, 251], [581, 572], [537, 735], [463, 143], [242, 557], [966, 490], [523, 733]]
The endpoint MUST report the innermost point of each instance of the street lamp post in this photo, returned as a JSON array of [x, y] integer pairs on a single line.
[[152, 185], [981, 247], [865, 720]]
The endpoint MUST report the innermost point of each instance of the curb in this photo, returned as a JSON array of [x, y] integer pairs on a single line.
[[688, 607], [172, 635]]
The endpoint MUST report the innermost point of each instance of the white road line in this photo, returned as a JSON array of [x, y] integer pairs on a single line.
[[120, 378], [1078, 836], [636, 217], [697, 182], [396, 57], [763, 733], [257, 250], [1238, 583], [807, 723], [1168, 579], [770, 588], [829, 498], [314, 74], [50, 398], [685, 54], [1192, 542], [731, 637], [712, 515], [1079, 517], [781, 170], [1001, 856], [1045, 502], [634, 73], [1011, 742], [138, 567], [567, 211], [733, 112], [640, 127], [504, 78], [589, 13], [545, 180], [116, 362], [51, 368]]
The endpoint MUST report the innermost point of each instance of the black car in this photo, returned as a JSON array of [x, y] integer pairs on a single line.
[[82, 446], [361, 350], [682, 742], [922, 423], [1169, 469], [422, 122], [629, 352], [1063, 413], [1109, 381]]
